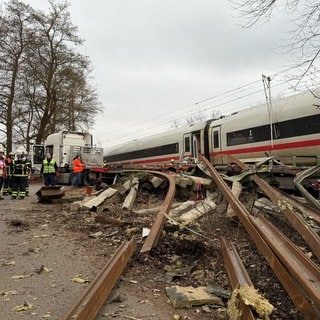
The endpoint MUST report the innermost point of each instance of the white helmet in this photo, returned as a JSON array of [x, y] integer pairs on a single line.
[[19, 152]]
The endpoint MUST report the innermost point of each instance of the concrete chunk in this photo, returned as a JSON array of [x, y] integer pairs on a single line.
[[187, 297], [156, 181], [130, 198], [96, 201]]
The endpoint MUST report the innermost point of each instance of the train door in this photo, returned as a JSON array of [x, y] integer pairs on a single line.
[[191, 145], [195, 145], [215, 141]]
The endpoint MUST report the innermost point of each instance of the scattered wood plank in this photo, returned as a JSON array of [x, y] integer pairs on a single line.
[[182, 208]]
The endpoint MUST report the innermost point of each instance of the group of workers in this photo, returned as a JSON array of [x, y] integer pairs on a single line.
[[49, 170], [15, 170]]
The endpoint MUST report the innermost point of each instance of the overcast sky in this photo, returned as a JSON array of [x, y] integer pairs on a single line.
[[156, 61]]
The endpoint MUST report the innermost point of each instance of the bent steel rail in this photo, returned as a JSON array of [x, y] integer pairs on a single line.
[[157, 226], [237, 273], [310, 309], [285, 205], [89, 304]]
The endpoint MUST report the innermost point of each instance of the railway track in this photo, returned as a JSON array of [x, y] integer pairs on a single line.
[[238, 275], [291, 209], [89, 304], [298, 274]]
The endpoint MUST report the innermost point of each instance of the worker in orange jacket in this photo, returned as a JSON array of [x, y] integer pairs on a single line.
[[78, 168]]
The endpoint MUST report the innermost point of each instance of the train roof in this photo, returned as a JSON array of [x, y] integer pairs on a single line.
[[170, 136], [292, 106]]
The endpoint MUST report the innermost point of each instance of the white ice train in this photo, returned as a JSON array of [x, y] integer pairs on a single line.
[[246, 134]]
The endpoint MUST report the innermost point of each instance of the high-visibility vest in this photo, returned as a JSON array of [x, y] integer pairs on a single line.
[[49, 166]]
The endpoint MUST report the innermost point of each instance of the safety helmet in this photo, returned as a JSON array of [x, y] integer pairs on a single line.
[[11, 153], [19, 153]]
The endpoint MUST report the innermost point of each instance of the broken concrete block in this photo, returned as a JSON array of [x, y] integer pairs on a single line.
[[187, 297], [202, 207], [131, 197], [236, 190], [182, 181], [182, 208], [156, 181], [75, 206], [96, 201]]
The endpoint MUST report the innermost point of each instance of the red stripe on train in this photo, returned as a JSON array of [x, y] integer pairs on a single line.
[[265, 148], [280, 146], [153, 160]]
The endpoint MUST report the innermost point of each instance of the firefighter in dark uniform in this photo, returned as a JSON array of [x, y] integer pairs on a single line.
[[29, 166], [7, 188], [19, 177]]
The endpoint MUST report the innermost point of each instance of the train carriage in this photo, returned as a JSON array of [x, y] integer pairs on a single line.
[[157, 150], [288, 130], [294, 138]]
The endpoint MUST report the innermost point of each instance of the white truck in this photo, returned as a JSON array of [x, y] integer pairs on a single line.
[[64, 146]]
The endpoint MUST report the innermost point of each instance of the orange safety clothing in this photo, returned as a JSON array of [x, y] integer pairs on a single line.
[[77, 165]]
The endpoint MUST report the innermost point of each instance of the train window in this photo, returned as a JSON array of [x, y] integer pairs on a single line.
[[187, 144], [216, 139], [284, 129], [150, 152], [249, 135], [299, 127]]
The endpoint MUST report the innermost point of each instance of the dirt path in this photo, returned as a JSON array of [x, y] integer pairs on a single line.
[[45, 247], [37, 262], [39, 257]]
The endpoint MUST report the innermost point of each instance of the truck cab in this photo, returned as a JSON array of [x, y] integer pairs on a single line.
[[64, 146]]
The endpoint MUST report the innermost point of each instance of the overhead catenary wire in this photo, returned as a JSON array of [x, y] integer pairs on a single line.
[[230, 100], [174, 115]]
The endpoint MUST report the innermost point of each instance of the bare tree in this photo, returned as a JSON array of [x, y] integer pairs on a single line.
[[51, 58], [303, 39], [60, 76], [15, 37], [79, 98], [44, 83]]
